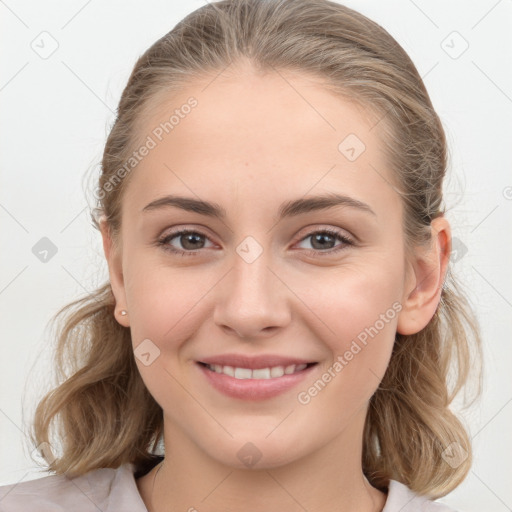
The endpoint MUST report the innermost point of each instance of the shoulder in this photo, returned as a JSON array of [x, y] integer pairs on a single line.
[[401, 498], [103, 489]]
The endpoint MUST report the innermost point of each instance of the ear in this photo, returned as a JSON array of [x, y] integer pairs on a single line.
[[425, 281], [115, 270]]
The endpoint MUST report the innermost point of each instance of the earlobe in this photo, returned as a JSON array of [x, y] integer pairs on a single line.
[[113, 257], [428, 271]]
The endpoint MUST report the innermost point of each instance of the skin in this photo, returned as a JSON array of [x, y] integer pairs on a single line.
[[252, 143]]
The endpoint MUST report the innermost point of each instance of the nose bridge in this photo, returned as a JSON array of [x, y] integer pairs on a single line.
[[251, 275], [254, 299]]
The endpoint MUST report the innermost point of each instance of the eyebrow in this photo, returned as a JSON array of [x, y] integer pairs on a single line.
[[287, 209]]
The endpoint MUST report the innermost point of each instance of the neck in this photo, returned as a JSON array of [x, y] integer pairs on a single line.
[[331, 478]]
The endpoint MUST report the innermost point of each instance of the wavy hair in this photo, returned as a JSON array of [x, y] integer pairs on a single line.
[[100, 412]]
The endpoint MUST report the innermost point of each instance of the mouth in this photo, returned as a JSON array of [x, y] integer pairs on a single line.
[[265, 373], [254, 379]]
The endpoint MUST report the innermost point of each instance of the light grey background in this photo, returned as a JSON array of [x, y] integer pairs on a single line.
[[56, 111]]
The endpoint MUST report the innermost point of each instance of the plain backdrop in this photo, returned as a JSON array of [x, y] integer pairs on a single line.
[[63, 68]]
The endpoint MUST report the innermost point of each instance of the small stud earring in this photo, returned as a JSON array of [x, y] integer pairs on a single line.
[[123, 312]]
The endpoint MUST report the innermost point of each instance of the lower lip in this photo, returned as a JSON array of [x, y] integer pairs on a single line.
[[254, 389]]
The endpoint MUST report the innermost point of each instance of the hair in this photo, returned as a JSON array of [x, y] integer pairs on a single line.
[[101, 413]]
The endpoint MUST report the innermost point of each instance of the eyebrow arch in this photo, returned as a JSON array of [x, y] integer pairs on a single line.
[[288, 209]]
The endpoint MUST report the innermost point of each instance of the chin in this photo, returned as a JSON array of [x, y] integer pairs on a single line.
[[259, 454]]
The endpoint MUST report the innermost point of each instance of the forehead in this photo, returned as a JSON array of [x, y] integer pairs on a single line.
[[256, 137]]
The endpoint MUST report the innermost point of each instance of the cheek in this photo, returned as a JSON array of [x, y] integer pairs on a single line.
[[359, 312], [355, 297], [165, 312], [167, 307], [162, 299]]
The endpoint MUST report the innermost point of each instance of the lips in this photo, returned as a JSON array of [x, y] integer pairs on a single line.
[[254, 362], [252, 378]]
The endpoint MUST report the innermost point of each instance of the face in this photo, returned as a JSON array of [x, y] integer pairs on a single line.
[[262, 279]]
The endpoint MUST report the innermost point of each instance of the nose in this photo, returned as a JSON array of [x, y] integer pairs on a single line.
[[254, 301]]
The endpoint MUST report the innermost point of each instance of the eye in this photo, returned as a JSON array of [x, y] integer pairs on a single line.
[[322, 239], [189, 239]]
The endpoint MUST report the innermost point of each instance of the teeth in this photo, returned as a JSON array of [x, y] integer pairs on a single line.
[[260, 373], [228, 370], [276, 371], [289, 369], [243, 373]]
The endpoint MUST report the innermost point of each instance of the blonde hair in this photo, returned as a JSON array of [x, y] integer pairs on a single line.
[[101, 413]]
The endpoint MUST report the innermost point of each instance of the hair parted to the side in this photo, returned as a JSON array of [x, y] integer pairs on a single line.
[[101, 412]]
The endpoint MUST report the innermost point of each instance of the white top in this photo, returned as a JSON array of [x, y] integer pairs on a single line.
[[115, 490]]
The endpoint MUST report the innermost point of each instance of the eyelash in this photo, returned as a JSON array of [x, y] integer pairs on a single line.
[[164, 242]]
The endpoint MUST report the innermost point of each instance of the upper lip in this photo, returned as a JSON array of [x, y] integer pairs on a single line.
[[253, 362]]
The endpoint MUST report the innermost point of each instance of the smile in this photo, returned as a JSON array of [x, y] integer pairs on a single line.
[[272, 372], [254, 383]]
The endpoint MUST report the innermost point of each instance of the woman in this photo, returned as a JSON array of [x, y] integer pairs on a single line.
[[274, 371]]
